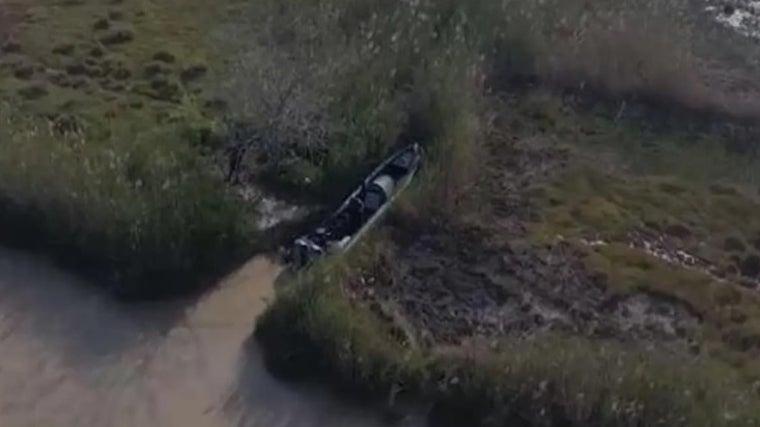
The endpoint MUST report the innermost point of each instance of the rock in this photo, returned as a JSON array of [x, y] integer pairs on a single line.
[[164, 56], [101, 24], [734, 244], [119, 36], [729, 9], [63, 49], [33, 92], [23, 72], [750, 266], [11, 46], [756, 243], [193, 73], [137, 105]]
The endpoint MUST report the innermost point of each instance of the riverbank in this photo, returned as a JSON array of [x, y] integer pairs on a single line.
[[593, 264], [578, 295], [580, 247], [189, 361]]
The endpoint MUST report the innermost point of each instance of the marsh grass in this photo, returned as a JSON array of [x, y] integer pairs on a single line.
[[330, 88], [140, 205], [316, 330], [378, 74]]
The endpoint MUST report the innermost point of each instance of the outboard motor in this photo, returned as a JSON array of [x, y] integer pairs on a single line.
[[378, 193], [304, 251]]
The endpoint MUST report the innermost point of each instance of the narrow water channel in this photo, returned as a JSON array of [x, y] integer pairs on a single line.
[[71, 356]]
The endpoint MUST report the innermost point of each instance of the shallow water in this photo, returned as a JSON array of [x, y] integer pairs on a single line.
[[71, 356]]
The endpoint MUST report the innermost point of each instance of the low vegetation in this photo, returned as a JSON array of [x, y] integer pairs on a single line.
[[314, 329], [461, 78], [139, 205], [105, 143], [110, 158]]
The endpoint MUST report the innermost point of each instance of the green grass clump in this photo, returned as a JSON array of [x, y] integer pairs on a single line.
[[315, 329], [139, 204]]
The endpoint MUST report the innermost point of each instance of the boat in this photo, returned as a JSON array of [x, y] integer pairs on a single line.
[[360, 211]]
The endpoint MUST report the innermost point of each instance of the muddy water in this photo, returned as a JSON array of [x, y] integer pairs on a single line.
[[70, 356]]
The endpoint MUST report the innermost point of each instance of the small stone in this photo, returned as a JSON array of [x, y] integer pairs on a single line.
[[137, 105], [729, 9], [96, 52], [164, 56]]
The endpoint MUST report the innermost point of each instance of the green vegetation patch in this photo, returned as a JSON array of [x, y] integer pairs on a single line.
[[314, 328], [711, 223], [141, 204]]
